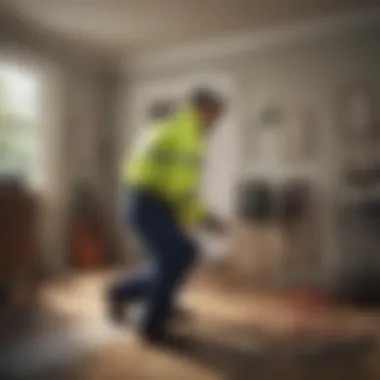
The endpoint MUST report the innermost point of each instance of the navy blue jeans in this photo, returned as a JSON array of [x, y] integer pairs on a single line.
[[172, 254]]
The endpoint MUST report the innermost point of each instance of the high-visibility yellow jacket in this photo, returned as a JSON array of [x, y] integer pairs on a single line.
[[167, 161]]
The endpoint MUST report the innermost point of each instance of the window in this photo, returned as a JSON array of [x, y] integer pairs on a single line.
[[19, 124]]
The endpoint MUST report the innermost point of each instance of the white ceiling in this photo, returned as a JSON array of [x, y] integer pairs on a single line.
[[138, 26]]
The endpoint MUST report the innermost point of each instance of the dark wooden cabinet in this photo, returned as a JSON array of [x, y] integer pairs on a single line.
[[18, 241]]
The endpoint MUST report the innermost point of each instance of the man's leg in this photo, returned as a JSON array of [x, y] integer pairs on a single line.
[[134, 286], [175, 256], [131, 288], [170, 251]]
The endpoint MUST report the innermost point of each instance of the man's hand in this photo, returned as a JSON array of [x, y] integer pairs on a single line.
[[216, 225]]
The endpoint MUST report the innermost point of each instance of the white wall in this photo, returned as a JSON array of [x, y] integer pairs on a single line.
[[303, 73]]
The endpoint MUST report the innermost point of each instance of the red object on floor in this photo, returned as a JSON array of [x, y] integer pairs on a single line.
[[88, 247]]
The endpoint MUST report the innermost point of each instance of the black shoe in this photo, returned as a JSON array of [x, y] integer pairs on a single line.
[[115, 307], [181, 315], [115, 311], [166, 340]]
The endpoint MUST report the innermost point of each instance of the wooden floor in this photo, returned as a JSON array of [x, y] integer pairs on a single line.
[[234, 334]]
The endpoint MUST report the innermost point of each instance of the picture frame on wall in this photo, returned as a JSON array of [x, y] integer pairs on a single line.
[[300, 134], [288, 133], [262, 130], [359, 135], [357, 113]]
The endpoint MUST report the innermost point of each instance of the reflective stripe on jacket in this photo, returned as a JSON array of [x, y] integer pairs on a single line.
[[168, 162]]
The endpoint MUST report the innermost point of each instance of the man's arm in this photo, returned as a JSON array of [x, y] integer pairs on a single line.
[[206, 219]]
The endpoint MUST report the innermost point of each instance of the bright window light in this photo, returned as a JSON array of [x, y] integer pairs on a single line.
[[19, 123]]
